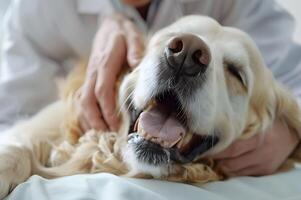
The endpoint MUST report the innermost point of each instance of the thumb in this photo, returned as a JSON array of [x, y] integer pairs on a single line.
[[134, 43]]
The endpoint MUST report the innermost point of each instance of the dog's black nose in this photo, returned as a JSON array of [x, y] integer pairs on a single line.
[[188, 55]]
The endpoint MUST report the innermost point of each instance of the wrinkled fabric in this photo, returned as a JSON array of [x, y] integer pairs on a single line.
[[282, 186]]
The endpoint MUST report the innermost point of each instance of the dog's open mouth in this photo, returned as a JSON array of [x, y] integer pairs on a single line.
[[163, 125]]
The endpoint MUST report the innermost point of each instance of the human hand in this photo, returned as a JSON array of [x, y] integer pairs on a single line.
[[259, 155], [116, 42]]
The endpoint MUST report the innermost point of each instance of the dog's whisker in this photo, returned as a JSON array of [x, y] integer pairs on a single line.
[[129, 96], [124, 103], [131, 103]]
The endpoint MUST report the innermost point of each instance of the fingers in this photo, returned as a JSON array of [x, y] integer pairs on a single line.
[[107, 99], [241, 155], [89, 114], [262, 168], [134, 42], [258, 155], [105, 91], [255, 170], [115, 42], [240, 147], [231, 165]]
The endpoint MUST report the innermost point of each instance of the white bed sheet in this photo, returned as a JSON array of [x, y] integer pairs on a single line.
[[283, 186]]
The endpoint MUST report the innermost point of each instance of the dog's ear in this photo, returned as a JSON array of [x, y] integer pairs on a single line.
[[288, 111], [262, 103], [287, 108], [271, 101]]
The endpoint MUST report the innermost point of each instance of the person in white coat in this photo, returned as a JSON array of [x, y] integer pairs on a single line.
[[43, 39]]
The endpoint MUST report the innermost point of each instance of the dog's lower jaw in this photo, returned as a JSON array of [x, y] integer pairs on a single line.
[[137, 167]]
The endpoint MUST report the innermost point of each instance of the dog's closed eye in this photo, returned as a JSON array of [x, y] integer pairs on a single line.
[[236, 72]]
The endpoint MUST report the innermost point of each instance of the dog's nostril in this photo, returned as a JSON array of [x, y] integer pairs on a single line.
[[201, 58], [175, 45], [197, 57]]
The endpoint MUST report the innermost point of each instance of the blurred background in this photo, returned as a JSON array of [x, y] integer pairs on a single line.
[[293, 6], [3, 7]]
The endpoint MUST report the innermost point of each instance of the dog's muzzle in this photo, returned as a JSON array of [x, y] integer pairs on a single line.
[[161, 134]]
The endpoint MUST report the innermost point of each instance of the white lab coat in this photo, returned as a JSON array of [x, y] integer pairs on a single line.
[[42, 37]]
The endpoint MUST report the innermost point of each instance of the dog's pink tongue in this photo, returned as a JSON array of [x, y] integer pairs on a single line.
[[157, 123]]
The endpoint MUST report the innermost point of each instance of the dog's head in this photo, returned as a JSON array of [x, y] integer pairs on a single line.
[[199, 87]]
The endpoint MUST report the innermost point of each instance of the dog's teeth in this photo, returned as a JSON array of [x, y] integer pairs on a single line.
[[147, 136], [142, 133], [166, 144], [157, 140], [185, 140], [154, 140], [160, 141]]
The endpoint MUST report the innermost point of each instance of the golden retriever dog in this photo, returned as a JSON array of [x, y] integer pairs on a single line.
[[199, 87]]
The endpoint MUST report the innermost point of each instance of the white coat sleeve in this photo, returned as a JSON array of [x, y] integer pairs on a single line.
[[272, 29], [27, 75]]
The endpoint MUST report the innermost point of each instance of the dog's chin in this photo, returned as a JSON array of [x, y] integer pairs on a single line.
[[154, 154], [145, 157]]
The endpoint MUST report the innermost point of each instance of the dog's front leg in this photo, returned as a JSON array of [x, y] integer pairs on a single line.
[[15, 166], [27, 145]]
